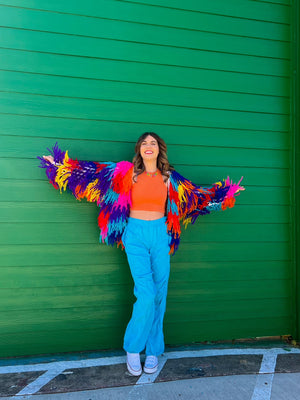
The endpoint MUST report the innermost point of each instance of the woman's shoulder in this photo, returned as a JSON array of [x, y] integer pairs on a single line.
[[172, 173], [124, 163]]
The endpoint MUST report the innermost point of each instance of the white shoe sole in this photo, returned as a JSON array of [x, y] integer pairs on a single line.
[[134, 372], [150, 370]]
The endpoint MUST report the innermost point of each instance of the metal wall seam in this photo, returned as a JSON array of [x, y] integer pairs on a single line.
[[295, 153]]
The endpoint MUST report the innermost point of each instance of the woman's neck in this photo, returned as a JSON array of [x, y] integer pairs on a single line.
[[150, 166]]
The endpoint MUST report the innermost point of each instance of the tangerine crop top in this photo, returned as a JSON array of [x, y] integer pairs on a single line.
[[149, 193]]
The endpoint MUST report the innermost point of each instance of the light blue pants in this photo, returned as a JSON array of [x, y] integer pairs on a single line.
[[147, 248]]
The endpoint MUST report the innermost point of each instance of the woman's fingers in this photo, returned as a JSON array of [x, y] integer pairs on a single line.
[[49, 158]]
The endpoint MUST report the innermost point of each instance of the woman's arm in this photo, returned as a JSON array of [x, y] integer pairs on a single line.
[[82, 178], [195, 200], [218, 197]]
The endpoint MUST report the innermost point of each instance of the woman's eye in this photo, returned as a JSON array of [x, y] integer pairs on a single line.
[[151, 144]]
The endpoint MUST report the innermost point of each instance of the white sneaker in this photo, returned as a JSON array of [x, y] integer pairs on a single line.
[[134, 364], [151, 364]]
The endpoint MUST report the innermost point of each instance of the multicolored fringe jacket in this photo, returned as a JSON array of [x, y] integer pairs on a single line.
[[109, 185]]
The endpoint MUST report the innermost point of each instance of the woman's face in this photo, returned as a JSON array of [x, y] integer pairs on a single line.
[[149, 148]]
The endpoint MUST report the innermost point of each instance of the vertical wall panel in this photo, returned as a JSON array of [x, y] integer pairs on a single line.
[[213, 79]]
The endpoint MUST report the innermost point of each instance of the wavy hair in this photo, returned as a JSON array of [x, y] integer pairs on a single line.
[[162, 160]]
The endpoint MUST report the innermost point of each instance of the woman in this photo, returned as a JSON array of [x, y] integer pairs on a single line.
[[141, 206]]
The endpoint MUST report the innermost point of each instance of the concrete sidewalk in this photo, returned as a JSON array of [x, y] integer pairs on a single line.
[[207, 372]]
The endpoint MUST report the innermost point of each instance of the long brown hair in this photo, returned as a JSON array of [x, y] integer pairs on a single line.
[[162, 159]]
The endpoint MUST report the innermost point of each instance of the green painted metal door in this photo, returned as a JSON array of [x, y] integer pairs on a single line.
[[213, 79]]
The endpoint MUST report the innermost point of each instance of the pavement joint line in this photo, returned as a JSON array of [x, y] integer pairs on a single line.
[[261, 390], [38, 383], [150, 378], [96, 362], [268, 363], [263, 387], [228, 352], [264, 380]]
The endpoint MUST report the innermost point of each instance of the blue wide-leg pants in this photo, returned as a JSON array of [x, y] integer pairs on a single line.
[[147, 248]]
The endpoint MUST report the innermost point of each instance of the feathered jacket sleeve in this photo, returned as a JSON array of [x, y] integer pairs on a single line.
[[187, 201], [84, 179], [106, 183]]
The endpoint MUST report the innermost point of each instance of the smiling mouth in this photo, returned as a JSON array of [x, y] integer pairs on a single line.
[[148, 152]]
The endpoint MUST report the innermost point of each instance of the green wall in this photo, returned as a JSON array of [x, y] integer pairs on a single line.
[[213, 79]]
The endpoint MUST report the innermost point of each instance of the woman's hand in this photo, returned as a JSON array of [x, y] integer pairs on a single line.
[[49, 158]]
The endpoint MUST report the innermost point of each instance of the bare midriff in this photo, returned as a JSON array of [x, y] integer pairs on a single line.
[[146, 215]]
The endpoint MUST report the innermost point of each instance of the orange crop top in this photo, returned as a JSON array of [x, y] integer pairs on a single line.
[[149, 193]]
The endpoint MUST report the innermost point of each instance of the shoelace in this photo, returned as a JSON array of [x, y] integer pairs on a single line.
[[151, 361]]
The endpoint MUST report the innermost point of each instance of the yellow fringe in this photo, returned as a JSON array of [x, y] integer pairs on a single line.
[[181, 195], [186, 221], [63, 174], [91, 193]]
